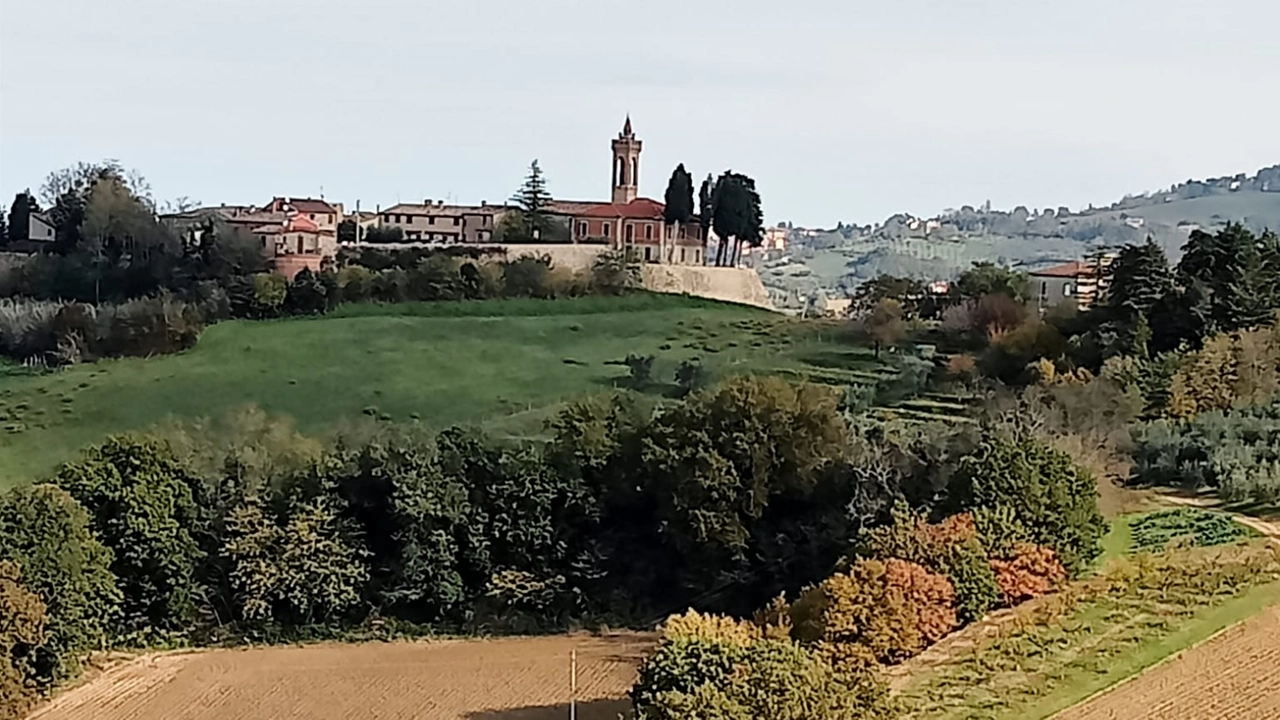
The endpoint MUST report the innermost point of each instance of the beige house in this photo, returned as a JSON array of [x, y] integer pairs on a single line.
[[435, 222]]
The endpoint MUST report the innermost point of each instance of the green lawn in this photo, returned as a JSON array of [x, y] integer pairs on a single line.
[[504, 364]]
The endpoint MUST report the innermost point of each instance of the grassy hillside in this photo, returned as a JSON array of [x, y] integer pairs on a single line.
[[504, 364]]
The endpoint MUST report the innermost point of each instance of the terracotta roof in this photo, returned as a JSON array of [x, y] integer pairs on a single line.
[[433, 209], [574, 207], [306, 205], [1071, 269], [638, 209], [297, 223], [256, 218]]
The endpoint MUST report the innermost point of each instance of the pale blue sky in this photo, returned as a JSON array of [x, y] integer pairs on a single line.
[[845, 110]]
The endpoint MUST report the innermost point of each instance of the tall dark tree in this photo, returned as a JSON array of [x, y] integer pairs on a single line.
[[533, 199], [1141, 291], [1222, 276], [736, 215], [348, 231], [24, 204], [679, 197], [706, 210]]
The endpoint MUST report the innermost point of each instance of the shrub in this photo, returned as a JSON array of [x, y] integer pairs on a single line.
[[878, 611], [1053, 498], [967, 567], [527, 277], [610, 274], [22, 630], [355, 283], [773, 680], [694, 625], [269, 292], [640, 371], [692, 376], [46, 533], [962, 367], [1028, 572], [707, 666], [306, 294]]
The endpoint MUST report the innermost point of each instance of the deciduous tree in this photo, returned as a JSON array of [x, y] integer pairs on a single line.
[[46, 533], [140, 500]]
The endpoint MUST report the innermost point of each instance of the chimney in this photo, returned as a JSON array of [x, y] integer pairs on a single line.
[[426, 201], [484, 203]]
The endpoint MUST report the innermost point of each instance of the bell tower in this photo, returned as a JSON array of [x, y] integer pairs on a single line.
[[626, 165]]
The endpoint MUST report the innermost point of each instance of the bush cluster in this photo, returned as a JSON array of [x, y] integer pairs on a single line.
[[713, 667], [1236, 452]]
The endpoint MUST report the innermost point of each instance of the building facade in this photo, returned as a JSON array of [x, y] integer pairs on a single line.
[[433, 221]]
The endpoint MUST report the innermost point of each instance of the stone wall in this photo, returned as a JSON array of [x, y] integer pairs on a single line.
[[737, 285]]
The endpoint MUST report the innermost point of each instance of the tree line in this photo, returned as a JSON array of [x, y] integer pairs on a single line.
[[245, 529]]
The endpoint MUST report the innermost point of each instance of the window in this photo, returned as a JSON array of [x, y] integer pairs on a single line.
[[457, 221], [682, 257], [311, 216], [606, 229], [648, 232], [1044, 288], [431, 220], [648, 253], [1066, 289], [630, 232], [582, 229], [299, 244]]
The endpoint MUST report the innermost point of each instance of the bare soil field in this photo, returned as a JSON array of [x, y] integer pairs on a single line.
[[503, 679], [1234, 675]]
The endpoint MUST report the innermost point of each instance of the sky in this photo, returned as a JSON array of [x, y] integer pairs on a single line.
[[842, 110]]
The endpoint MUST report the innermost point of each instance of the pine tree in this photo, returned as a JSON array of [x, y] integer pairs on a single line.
[[533, 199], [1224, 279]]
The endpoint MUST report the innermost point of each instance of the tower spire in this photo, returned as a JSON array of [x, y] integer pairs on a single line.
[[626, 127]]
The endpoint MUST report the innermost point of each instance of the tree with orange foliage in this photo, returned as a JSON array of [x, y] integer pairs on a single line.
[[1029, 572], [951, 548], [881, 611]]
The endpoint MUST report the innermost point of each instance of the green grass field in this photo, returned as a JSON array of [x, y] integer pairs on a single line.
[[505, 365]]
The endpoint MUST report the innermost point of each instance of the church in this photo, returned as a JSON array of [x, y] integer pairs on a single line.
[[629, 222]]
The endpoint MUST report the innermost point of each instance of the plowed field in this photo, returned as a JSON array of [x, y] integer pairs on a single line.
[[1235, 675], [507, 679]]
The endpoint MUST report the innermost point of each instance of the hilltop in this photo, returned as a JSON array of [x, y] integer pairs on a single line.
[[833, 260]]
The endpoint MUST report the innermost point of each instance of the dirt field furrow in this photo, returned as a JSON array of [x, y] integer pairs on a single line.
[[1235, 675], [506, 679]]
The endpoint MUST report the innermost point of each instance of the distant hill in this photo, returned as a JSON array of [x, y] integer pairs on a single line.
[[940, 247]]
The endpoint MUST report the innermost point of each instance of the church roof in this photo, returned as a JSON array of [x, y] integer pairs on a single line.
[[638, 209]]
